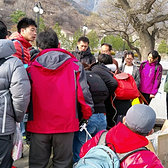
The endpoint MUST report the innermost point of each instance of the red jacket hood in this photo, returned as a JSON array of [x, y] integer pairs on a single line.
[[124, 140]]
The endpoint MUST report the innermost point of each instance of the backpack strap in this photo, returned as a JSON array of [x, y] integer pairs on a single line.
[[123, 156], [2, 60], [21, 49], [102, 139], [156, 68], [143, 65]]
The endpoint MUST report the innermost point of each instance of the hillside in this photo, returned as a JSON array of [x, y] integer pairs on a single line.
[[89, 5], [67, 13], [79, 8]]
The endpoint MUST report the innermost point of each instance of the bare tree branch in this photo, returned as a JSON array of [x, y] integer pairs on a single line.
[[145, 9], [157, 19], [141, 18]]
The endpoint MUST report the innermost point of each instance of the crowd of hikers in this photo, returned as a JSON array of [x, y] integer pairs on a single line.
[[73, 106]]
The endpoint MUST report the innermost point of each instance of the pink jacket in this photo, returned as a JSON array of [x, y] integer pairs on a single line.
[[124, 140], [59, 85], [149, 79]]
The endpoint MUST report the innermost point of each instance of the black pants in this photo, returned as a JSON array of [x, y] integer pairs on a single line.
[[6, 146], [122, 107], [147, 97], [41, 146], [111, 114]]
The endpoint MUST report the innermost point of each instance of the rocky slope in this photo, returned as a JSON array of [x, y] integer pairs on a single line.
[[67, 13], [89, 5]]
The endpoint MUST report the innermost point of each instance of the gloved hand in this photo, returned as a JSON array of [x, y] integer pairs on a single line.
[[82, 121], [83, 124]]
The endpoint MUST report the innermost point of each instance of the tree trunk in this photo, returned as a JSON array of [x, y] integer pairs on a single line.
[[146, 44]]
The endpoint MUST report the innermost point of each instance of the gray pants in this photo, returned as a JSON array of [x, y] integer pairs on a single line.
[[6, 146], [41, 146]]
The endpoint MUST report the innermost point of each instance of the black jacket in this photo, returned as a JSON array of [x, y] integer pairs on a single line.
[[84, 56], [104, 72], [98, 91]]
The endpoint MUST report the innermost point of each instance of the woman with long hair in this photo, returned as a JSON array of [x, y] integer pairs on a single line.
[[150, 75]]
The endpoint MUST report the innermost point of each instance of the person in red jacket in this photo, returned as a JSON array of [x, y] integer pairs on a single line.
[[59, 87], [138, 123], [26, 33]]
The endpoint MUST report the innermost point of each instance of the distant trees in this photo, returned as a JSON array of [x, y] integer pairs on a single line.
[[118, 44], [41, 24], [76, 36], [93, 40], [65, 42], [163, 47], [133, 20], [70, 45], [17, 15]]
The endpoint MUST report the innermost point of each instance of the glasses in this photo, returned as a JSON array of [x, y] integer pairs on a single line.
[[130, 59]]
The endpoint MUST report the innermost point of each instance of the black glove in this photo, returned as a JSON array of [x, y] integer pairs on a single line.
[[83, 124], [83, 121]]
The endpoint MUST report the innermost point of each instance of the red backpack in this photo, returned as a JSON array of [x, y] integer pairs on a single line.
[[127, 88]]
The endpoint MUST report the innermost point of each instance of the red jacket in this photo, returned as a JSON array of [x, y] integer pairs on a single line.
[[58, 84], [26, 45], [124, 140]]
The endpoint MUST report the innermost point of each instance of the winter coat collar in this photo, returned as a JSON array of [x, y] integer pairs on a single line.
[[83, 53]]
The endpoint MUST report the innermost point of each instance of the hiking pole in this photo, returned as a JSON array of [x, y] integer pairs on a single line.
[[83, 127]]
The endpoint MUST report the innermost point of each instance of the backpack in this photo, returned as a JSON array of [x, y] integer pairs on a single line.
[[102, 156], [127, 88], [99, 157]]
